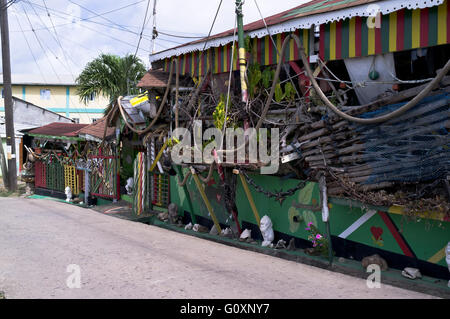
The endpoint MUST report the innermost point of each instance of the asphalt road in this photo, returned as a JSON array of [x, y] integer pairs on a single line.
[[45, 245]]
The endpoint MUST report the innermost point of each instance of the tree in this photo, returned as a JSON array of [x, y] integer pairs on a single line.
[[110, 76]]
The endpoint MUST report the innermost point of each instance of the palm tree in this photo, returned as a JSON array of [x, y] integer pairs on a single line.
[[111, 76]]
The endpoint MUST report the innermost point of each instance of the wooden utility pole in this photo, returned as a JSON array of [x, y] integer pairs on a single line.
[[9, 113]]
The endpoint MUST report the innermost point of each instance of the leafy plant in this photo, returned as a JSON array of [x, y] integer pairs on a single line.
[[267, 77], [289, 91], [279, 95], [254, 78], [320, 242], [219, 113], [248, 44]]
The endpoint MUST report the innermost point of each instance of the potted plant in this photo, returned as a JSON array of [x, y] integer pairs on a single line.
[[319, 242]]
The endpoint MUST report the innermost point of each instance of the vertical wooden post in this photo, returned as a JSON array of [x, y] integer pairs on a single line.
[[249, 196], [205, 199]]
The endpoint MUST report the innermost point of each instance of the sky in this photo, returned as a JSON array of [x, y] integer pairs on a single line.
[[70, 33]]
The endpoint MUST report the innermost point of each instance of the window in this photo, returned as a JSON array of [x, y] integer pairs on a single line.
[[92, 96], [45, 94], [76, 120], [94, 120]]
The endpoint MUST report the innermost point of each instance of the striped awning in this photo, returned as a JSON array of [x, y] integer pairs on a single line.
[[263, 52], [400, 30]]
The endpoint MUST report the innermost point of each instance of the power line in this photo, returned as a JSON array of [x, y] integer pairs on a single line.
[[106, 35], [89, 28], [122, 28], [29, 47], [143, 25], [40, 44], [113, 25], [67, 67], [45, 52], [179, 36], [55, 37], [49, 61]]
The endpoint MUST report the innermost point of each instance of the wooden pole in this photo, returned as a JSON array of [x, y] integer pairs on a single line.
[[9, 112], [205, 199], [249, 196]]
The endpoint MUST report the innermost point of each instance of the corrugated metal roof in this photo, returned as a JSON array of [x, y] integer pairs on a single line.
[[59, 129]]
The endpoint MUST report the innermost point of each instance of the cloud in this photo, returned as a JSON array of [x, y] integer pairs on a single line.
[[83, 36]]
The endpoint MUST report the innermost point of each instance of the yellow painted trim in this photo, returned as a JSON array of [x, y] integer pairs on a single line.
[[292, 47], [438, 256], [415, 29], [393, 32], [429, 215], [306, 41], [371, 41], [352, 38], [278, 50], [442, 23], [332, 41]]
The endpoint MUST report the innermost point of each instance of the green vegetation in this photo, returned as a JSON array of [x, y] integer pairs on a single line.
[[110, 76]]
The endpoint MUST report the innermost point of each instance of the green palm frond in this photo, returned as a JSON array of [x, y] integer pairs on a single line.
[[110, 76]]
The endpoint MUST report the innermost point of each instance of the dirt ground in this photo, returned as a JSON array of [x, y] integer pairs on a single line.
[[44, 244]]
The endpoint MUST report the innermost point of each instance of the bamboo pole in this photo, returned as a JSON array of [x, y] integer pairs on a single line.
[[249, 196], [205, 199]]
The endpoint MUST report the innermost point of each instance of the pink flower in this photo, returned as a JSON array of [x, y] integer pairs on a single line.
[[318, 236], [309, 224]]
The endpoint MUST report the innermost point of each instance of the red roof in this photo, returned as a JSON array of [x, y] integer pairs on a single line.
[[97, 129], [59, 129], [154, 79]]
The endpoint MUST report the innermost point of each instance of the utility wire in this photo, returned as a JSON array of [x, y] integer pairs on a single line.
[[142, 29], [40, 44], [55, 37], [59, 42], [179, 36], [113, 26], [29, 47], [48, 47], [49, 61], [104, 18], [98, 32]]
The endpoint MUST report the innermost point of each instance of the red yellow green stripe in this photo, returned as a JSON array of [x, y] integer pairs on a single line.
[[400, 30]]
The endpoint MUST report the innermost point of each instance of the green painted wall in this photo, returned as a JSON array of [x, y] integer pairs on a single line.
[[425, 237]]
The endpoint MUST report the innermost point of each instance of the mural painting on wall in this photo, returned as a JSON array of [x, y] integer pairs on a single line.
[[214, 191], [295, 215], [376, 235]]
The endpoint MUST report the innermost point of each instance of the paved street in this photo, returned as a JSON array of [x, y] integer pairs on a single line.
[[124, 259]]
